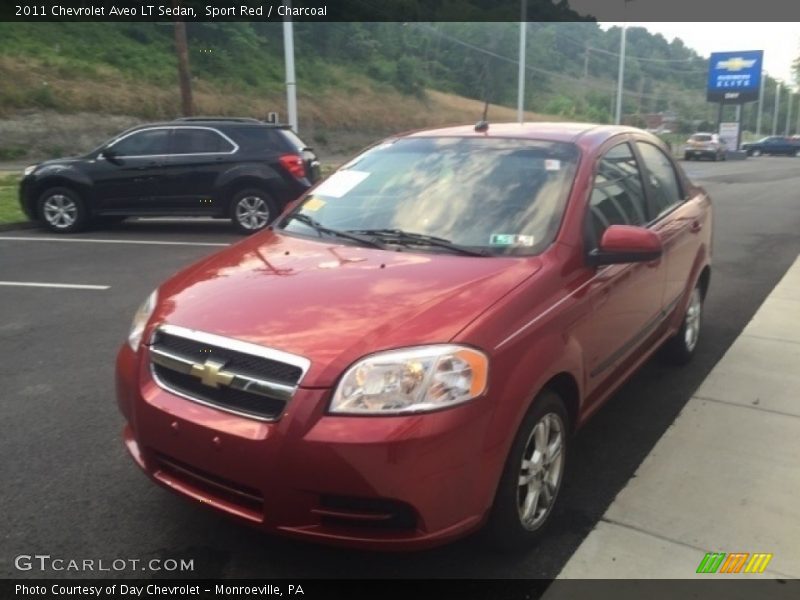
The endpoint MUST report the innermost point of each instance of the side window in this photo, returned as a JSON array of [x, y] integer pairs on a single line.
[[663, 180], [143, 143], [617, 194], [259, 138], [198, 141]]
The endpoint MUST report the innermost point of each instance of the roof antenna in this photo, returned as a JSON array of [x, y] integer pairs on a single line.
[[482, 126]]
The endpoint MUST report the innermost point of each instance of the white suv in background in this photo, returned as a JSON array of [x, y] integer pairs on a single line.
[[701, 145]]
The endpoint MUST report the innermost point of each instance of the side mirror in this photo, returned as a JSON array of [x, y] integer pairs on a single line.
[[110, 155], [626, 244]]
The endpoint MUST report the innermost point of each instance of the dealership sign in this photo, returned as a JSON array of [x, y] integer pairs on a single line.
[[734, 77]]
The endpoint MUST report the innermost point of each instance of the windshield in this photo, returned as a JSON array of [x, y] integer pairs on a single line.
[[500, 196]]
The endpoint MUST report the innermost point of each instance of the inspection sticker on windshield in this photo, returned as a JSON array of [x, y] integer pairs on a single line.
[[510, 239], [341, 182], [314, 204], [552, 164]]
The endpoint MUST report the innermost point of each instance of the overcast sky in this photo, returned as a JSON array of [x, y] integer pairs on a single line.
[[779, 41]]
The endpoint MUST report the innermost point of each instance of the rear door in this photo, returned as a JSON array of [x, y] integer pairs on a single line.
[[197, 158], [678, 218], [126, 182]]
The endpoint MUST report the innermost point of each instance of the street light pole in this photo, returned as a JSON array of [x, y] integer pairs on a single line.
[[760, 105], [789, 98], [777, 105], [620, 76], [521, 76], [291, 83]]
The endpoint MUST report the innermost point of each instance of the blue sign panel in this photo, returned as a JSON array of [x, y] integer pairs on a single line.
[[734, 77]]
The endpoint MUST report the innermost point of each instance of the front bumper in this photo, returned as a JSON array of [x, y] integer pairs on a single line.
[[402, 482], [26, 202]]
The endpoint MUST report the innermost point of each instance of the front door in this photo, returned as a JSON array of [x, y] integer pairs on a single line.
[[625, 299], [126, 178]]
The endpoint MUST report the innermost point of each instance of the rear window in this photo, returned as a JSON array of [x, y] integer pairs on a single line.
[[701, 137], [260, 139], [295, 141]]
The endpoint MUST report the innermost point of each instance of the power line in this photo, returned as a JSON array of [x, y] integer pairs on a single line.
[[509, 60]]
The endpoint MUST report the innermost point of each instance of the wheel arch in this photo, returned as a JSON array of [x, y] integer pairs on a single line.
[[565, 386], [75, 186]]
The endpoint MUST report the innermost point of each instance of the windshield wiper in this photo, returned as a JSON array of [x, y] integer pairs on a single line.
[[319, 227], [399, 236]]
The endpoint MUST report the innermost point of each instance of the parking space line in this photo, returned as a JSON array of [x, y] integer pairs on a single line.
[[103, 241], [70, 286]]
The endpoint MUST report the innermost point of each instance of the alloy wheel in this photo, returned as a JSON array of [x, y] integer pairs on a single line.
[[60, 211], [252, 212], [693, 315], [540, 471]]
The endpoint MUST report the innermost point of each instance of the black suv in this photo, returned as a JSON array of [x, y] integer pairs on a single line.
[[242, 169]]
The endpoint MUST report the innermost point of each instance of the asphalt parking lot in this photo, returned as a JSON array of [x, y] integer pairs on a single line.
[[71, 491]]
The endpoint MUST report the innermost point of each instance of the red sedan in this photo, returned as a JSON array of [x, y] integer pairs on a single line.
[[402, 358]]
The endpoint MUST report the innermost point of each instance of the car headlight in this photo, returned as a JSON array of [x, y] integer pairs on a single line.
[[29, 170], [412, 380], [140, 319]]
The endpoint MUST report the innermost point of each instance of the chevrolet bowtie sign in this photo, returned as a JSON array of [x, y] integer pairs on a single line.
[[734, 77]]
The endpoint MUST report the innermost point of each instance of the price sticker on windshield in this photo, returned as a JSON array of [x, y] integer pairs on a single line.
[[510, 239], [341, 182], [552, 164]]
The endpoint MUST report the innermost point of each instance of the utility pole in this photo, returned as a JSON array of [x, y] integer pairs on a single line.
[[291, 84], [523, 26], [797, 123], [789, 98], [760, 104], [586, 63], [620, 76], [777, 105], [184, 75]]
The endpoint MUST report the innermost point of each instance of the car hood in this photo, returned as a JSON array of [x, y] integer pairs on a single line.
[[60, 162], [333, 303]]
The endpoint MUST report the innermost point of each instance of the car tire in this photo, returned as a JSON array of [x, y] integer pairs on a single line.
[[687, 157], [796, 152], [516, 519], [755, 152], [680, 348], [252, 210], [62, 210]]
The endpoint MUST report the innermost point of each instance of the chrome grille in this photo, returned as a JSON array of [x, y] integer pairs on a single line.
[[228, 374]]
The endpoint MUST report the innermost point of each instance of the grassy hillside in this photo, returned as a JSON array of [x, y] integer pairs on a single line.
[[55, 76], [356, 81]]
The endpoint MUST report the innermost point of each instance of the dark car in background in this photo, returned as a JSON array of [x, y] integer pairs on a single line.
[[242, 169], [774, 144]]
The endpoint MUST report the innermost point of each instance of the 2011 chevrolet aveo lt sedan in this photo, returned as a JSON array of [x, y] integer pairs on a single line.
[[401, 359]]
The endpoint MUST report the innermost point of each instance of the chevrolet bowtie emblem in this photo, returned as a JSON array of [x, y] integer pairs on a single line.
[[735, 64], [209, 373]]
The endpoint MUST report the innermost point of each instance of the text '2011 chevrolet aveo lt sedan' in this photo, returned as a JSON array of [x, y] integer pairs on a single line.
[[402, 358]]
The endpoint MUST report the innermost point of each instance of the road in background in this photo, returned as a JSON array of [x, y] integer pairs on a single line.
[[71, 491]]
